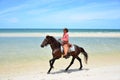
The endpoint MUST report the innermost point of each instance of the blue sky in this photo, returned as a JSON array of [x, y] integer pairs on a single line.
[[82, 14]]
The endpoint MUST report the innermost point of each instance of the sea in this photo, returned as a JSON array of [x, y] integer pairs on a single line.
[[23, 45]]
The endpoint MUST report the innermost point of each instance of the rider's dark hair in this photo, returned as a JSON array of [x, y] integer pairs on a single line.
[[66, 29]]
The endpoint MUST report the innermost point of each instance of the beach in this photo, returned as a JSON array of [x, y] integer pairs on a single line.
[[107, 68], [22, 58]]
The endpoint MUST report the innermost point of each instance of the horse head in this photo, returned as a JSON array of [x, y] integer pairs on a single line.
[[46, 41]]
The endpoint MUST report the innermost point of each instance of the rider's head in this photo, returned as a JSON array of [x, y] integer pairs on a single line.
[[65, 30]]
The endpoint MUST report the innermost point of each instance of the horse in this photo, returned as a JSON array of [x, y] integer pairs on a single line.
[[57, 53]]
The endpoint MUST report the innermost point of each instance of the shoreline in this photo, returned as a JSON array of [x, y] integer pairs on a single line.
[[72, 34]]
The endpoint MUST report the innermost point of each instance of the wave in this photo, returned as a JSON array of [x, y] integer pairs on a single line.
[[71, 34]]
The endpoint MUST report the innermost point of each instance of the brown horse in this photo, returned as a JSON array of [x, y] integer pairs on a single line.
[[57, 53]]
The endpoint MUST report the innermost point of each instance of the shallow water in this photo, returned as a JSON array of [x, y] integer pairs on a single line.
[[22, 46], [15, 49]]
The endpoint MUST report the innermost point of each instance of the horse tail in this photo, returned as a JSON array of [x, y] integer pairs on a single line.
[[85, 55]]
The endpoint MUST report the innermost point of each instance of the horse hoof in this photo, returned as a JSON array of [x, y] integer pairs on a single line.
[[80, 68], [48, 72], [66, 70]]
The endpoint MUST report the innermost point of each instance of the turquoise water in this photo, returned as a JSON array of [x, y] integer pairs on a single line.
[[25, 49], [14, 49], [55, 30]]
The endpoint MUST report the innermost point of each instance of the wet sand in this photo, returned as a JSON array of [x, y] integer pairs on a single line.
[[106, 67]]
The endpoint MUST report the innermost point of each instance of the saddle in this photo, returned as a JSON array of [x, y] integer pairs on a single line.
[[71, 48], [70, 45]]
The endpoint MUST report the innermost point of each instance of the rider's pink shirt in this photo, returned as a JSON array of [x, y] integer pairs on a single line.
[[65, 37]]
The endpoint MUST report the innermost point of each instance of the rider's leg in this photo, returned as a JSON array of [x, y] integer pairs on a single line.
[[65, 49]]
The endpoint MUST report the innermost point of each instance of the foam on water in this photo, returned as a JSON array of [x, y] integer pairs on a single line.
[[72, 34]]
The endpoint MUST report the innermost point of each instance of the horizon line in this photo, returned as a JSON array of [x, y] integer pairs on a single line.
[[60, 28]]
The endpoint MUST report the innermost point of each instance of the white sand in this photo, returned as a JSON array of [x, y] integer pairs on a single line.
[[75, 34], [106, 69], [101, 73]]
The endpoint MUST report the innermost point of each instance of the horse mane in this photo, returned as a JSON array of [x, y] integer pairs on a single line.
[[54, 39]]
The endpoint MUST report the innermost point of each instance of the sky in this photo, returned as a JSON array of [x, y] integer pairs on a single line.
[[74, 14]]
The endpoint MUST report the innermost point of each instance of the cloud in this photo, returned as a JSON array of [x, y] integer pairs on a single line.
[[69, 16], [13, 20], [37, 11], [11, 9], [89, 13]]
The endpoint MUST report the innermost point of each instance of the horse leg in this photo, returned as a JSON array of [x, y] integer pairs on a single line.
[[51, 64], [80, 62], [70, 64]]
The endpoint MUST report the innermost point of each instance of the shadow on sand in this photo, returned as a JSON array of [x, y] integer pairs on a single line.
[[69, 71]]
